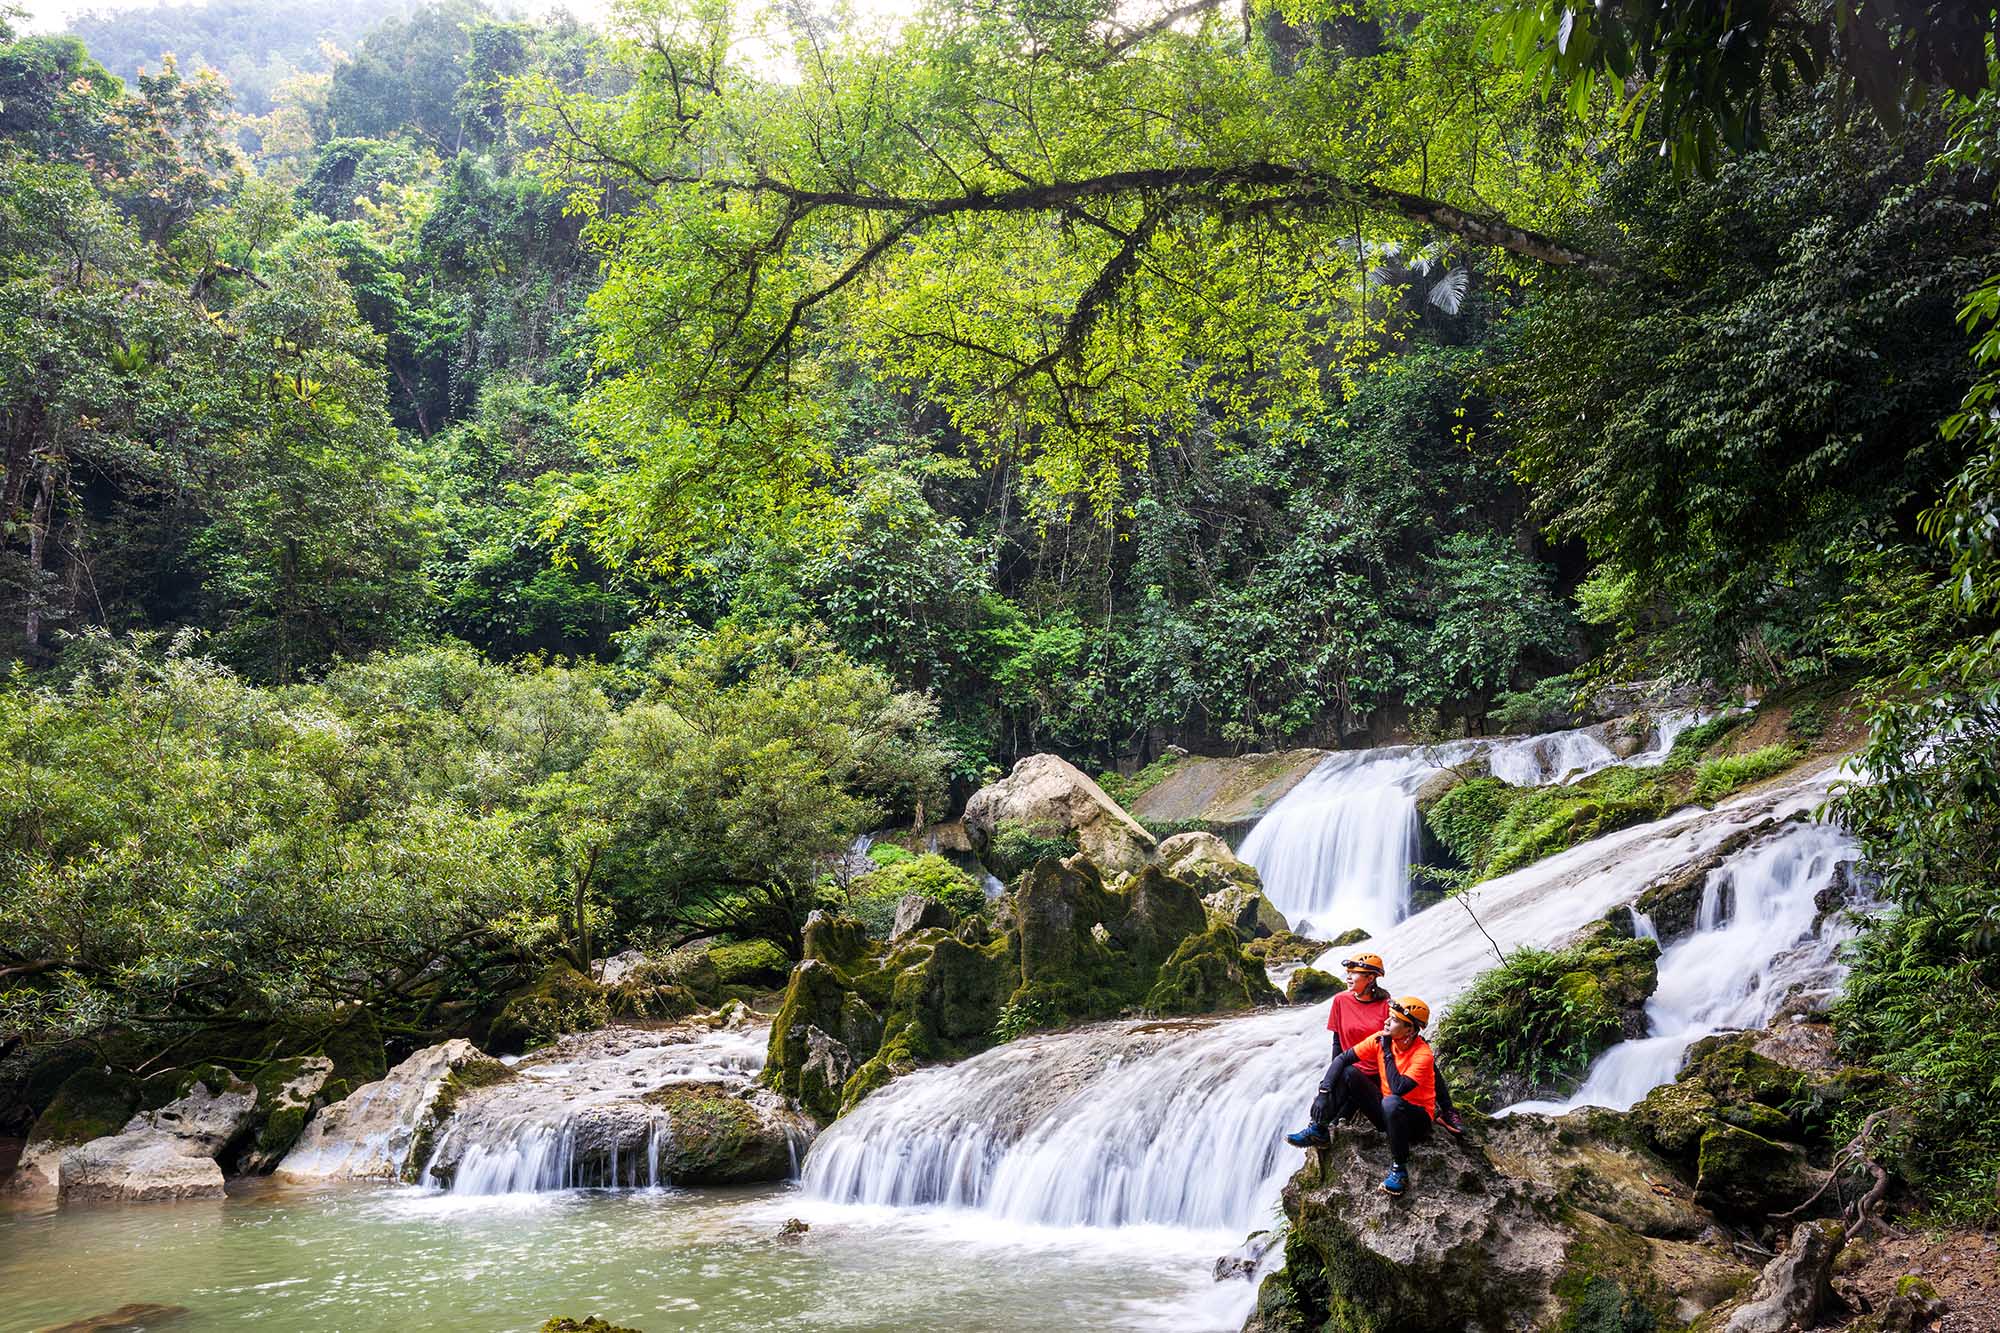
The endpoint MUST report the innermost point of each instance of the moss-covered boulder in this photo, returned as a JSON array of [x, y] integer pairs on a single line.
[[1309, 985], [1208, 974], [1547, 1232], [288, 1091], [756, 964], [90, 1103], [1531, 1027], [1047, 802], [559, 1001], [1745, 1175], [716, 1136], [1286, 948]]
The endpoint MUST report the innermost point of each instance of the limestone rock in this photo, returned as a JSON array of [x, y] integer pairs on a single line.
[[286, 1093], [1208, 974], [916, 912], [1247, 912], [1048, 798], [1746, 1174], [1794, 1287], [618, 968], [209, 1113], [89, 1104], [142, 1166], [1205, 862], [368, 1134]]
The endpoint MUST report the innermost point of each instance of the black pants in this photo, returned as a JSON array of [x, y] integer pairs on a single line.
[[1331, 1106], [1404, 1123]]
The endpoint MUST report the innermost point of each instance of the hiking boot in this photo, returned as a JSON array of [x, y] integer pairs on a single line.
[[1396, 1181], [1449, 1122], [1312, 1136]]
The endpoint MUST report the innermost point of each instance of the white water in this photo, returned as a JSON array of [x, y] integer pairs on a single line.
[[1753, 946], [574, 1119], [1179, 1124], [1335, 852]]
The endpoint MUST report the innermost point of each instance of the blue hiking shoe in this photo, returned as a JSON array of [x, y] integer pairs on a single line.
[[1312, 1136], [1396, 1181]]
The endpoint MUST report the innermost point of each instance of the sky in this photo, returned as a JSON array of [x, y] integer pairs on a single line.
[[53, 15]]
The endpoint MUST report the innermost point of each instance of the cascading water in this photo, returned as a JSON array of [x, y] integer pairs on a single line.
[[1179, 1123], [579, 1118], [1760, 938], [1335, 853]]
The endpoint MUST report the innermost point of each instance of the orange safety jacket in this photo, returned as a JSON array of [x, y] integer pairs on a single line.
[[1415, 1079]]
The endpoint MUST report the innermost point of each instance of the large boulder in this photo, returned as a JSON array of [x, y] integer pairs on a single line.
[[1046, 804], [89, 1104], [287, 1093], [368, 1134], [169, 1152], [1550, 1232], [1796, 1286], [1208, 974]]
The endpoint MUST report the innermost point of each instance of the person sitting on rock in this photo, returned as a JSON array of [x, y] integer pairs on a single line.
[[1356, 1016], [1401, 1098]]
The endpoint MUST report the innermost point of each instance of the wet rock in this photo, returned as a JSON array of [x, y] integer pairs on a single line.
[[1345, 938], [1240, 1264], [137, 1315], [1673, 901], [1048, 800], [916, 912], [89, 1104], [1309, 985], [1795, 1287], [722, 1135], [1557, 1228], [1247, 912], [368, 1134], [793, 1228], [1285, 948]]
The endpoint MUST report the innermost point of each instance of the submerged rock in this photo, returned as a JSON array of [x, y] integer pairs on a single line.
[[1047, 801], [368, 1134]]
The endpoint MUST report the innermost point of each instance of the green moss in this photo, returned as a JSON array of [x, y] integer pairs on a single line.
[[1607, 1285], [1672, 1118], [90, 1104], [1126, 790], [560, 1001], [1309, 985], [592, 1324], [874, 898], [284, 1118], [1208, 974], [1346, 938], [1285, 947], [1463, 819], [1542, 1016], [756, 963]]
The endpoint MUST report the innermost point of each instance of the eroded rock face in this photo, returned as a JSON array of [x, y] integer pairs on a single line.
[[916, 912], [1046, 798], [1795, 1286], [1551, 1224], [168, 1153], [368, 1135], [286, 1093]]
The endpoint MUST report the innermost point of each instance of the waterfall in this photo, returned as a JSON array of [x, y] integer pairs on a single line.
[[1560, 756], [1179, 1123], [1335, 852], [576, 1117], [1758, 939]]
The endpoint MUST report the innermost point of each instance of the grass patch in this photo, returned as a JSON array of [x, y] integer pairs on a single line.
[[1126, 790], [1717, 778]]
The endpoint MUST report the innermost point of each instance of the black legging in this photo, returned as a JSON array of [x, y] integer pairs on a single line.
[[1332, 1106], [1404, 1122]]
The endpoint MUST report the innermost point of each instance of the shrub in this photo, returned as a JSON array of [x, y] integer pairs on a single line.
[[1463, 819], [1015, 847], [1718, 777], [1023, 1017], [889, 854], [1689, 745], [873, 897]]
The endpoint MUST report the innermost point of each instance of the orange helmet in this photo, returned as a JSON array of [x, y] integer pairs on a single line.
[[1412, 1008], [1365, 962]]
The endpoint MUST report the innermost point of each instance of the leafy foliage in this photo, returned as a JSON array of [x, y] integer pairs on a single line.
[[873, 898]]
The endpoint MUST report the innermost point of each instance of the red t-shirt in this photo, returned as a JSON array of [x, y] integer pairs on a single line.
[[1356, 1023]]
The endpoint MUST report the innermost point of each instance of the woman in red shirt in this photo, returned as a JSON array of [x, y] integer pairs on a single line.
[[1358, 1014]]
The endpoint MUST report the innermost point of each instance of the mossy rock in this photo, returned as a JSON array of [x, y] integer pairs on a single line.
[[1350, 937], [1749, 1176], [592, 1324], [758, 964], [29, 1079], [1309, 985], [634, 1000], [282, 1116], [1673, 1117], [1208, 974], [479, 1072], [717, 1138], [1285, 948], [839, 940], [1731, 1070], [89, 1104], [561, 1000]]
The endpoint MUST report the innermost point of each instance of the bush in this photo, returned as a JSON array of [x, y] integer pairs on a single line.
[[889, 854], [1718, 777], [1463, 819], [1015, 848], [1543, 706], [1023, 1017], [872, 899], [1541, 1017], [1689, 745]]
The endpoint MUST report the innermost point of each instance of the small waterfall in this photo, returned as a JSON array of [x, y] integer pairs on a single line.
[[1335, 852], [1178, 1123], [1560, 756], [576, 1117], [1758, 939], [1643, 927]]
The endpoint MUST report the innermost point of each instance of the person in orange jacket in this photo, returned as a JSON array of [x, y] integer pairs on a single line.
[[1357, 1014]]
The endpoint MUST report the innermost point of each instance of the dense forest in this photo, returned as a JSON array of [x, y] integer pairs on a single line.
[[480, 491]]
